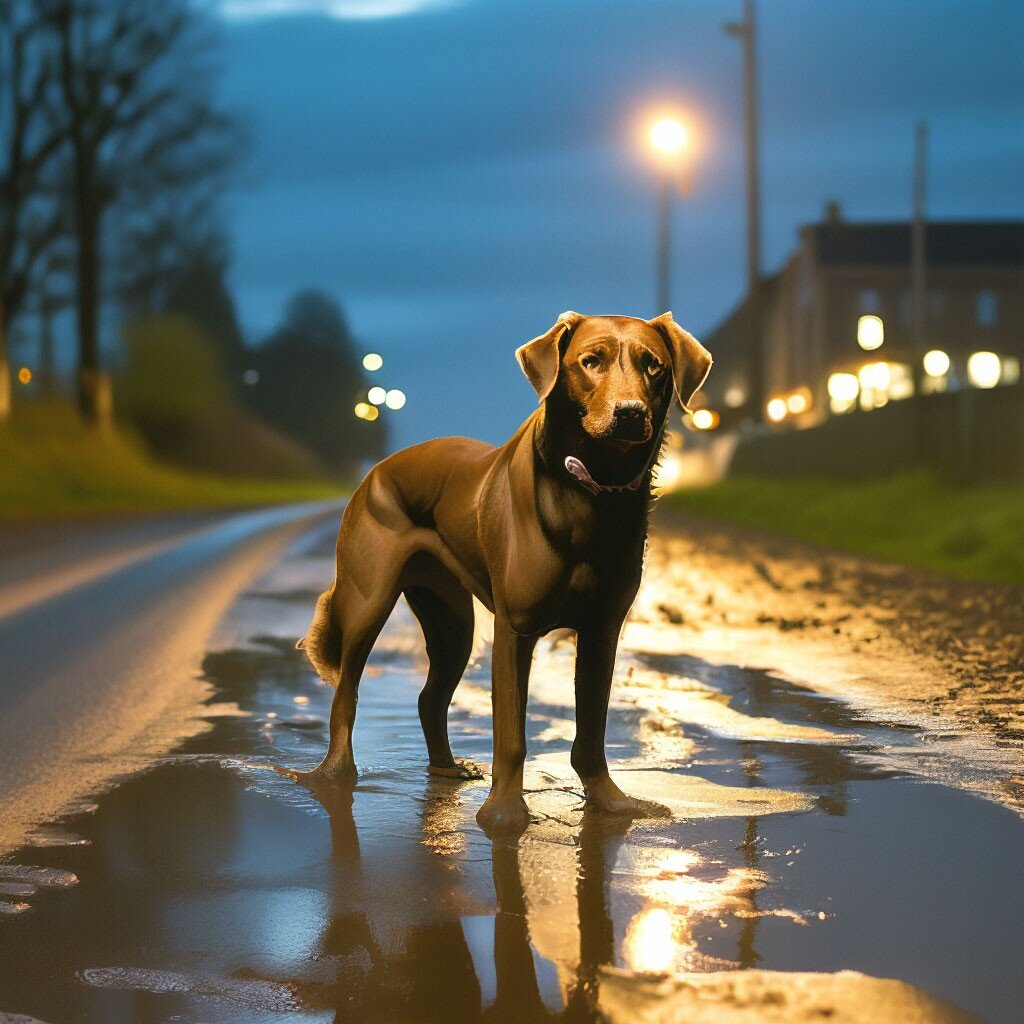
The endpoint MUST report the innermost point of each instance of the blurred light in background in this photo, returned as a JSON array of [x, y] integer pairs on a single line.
[[25, 375], [1011, 370], [705, 419], [668, 472], [367, 412], [870, 332], [376, 395], [874, 385], [735, 396], [776, 410], [372, 362], [843, 389], [394, 399], [251, 377], [936, 363], [799, 401], [984, 369], [668, 135]]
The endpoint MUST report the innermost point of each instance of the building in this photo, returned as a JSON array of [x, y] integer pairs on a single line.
[[838, 319]]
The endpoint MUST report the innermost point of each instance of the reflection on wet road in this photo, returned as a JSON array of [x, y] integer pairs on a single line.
[[212, 889]]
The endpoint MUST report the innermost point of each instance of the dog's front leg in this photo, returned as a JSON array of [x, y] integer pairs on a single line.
[[596, 645], [504, 812]]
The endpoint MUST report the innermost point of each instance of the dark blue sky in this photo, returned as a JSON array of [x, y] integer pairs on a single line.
[[459, 174]]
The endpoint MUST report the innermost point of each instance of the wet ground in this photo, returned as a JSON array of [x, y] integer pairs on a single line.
[[807, 835]]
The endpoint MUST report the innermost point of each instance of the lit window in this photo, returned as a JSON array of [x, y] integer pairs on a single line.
[[870, 332], [986, 308]]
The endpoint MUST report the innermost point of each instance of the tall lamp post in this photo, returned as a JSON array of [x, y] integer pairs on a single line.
[[668, 137], [746, 32]]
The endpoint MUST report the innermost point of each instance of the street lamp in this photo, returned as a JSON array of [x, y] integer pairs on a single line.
[[669, 138]]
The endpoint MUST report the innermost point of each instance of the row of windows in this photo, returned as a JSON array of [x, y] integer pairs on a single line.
[[986, 305]]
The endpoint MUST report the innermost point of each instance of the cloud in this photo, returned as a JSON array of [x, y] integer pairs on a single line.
[[350, 10]]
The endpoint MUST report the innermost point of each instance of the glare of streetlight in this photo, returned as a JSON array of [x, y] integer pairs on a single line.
[[936, 363], [870, 332], [366, 412], [669, 135], [776, 410], [372, 361], [25, 375], [705, 419], [376, 395], [984, 369], [798, 402], [394, 399]]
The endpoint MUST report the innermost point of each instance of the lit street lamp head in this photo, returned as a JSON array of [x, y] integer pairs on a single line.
[[668, 135]]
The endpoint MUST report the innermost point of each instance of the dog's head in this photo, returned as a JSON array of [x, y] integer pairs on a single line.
[[619, 373]]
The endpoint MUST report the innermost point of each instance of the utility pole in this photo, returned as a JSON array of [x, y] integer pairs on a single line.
[[918, 283], [662, 303], [746, 32]]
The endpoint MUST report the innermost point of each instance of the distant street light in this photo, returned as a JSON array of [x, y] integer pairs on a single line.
[[936, 363], [705, 419], [25, 375], [668, 137], [367, 412], [372, 362], [394, 399], [376, 395], [777, 410], [984, 369]]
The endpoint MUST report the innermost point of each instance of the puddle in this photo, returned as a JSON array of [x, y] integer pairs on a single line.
[[802, 839]]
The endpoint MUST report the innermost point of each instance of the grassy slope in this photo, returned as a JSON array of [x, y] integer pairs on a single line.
[[976, 533], [51, 465]]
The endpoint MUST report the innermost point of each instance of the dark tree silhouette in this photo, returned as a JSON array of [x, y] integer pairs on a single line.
[[133, 94], [310, 379], [31, 217]]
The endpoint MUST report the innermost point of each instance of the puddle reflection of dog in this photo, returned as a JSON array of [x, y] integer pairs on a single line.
[[547, 531]]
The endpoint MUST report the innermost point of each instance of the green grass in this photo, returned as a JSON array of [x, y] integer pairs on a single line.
[[976, 533], [50, 464]]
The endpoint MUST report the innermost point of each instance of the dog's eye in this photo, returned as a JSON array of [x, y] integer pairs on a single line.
[[590, 361], [651, 366]]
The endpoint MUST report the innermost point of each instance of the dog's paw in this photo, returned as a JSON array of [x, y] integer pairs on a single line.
[[461, 769], [629, 807], [343, 776], [504, 816], [603, 795]]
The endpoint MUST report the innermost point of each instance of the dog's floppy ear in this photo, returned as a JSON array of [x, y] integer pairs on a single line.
[[540, 358], [691, 361]]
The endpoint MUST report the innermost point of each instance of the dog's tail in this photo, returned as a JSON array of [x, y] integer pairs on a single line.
[[322, 642]]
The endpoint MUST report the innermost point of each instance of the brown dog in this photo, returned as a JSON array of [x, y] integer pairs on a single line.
[[547, 531]]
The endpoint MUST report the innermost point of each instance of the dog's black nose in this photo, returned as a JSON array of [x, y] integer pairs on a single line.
[[627, 411]]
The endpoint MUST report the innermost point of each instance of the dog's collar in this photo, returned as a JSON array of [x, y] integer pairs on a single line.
[[578, 471]]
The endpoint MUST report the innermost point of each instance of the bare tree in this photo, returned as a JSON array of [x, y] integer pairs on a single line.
[[31, 137], [134, 91]]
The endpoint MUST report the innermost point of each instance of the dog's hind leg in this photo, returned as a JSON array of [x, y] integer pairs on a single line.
[[360, 619], [448, 630]]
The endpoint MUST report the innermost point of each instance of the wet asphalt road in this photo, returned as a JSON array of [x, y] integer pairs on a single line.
[[807, 836], [103, 624]]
